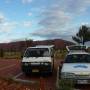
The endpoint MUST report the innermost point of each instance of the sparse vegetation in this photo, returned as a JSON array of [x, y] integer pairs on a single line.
[[60, 54], [12, 55], [66, 85]]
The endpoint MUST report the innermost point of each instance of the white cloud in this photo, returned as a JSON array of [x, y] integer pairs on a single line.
[[72, 6], [29, 14], [53, 33], [7, 1], [55, 19], [7, 26], [2, 18], [55, 23], [5, 40], [27, 24], [26, 1], [59, 17]]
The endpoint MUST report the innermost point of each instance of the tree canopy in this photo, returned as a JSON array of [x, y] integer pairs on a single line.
[[83, 35]]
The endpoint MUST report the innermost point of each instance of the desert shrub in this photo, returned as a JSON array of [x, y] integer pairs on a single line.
[[12, 55], [60, 54], [65, 84]]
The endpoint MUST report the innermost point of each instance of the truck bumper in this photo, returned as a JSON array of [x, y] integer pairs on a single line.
[[42, 69], [82, 81], [79, 81]]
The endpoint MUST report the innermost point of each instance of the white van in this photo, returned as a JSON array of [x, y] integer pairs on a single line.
[[76, 67], [38, 59]]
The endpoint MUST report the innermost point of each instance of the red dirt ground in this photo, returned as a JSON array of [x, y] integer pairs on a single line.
[[10, 68]]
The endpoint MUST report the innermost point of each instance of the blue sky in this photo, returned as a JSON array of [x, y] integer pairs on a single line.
[[42, 19]]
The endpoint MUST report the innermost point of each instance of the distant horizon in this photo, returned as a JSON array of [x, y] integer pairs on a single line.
[[37, 40], [86, 43]]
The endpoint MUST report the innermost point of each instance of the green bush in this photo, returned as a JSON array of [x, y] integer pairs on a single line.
[[65, 84], [60, 54]]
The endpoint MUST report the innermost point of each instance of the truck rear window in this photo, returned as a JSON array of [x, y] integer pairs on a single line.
[[78, 58]]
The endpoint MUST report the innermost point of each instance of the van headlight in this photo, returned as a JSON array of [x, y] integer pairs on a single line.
[[67, 75]]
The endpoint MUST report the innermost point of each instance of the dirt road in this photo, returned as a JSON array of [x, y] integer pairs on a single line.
[[11, 68]]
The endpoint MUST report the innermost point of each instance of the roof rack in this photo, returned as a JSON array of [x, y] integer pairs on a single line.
[[76, 47]]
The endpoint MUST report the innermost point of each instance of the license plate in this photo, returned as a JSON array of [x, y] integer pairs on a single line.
[[35, 70], [82, 81]]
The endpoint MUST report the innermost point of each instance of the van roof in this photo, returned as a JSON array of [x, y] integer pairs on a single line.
[[76, 47], [77, 52]]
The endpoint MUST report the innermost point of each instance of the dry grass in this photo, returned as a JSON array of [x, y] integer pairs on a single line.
[[11, 55], [66, 84], [60, 54]]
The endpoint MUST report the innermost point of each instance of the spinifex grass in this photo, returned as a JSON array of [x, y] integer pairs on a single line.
[[65, 84]]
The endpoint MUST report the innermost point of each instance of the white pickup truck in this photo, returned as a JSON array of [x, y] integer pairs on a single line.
[[38, 59]]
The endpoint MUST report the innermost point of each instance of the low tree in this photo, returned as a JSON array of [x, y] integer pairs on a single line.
[[83, 35], [76, 39]]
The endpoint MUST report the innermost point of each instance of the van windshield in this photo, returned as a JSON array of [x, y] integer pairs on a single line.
[[37, 52], [78, 58]]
